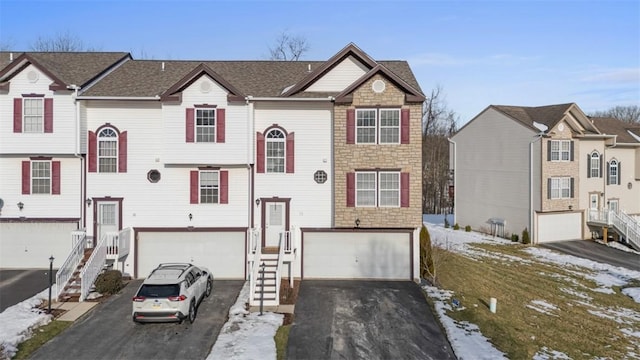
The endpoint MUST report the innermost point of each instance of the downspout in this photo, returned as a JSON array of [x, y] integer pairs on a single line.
[[532, 233], [250, 182], [76, 153], [455, 176], [332, 164]]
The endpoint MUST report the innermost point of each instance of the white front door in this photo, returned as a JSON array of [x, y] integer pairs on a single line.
[[107, 219], [593, 201], [274, 223]]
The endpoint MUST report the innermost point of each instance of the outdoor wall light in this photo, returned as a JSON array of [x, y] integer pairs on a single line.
[[20, 205], [570, 207], [357, 223], [88, 201], [190, 216], [257, 202]]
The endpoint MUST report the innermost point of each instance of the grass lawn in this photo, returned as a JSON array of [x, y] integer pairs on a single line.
[[40, 336], [539, 304]]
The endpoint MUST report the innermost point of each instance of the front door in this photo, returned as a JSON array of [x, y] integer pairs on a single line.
[[594, 200], [107, 219], [275, 223], [613, 205]]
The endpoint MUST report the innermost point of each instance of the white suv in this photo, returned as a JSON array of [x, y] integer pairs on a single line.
[[172, 292]]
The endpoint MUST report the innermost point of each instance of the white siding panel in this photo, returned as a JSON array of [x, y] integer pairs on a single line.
[[30, 244], [558, 227], [221, 252], [335, 255], [341, 76]]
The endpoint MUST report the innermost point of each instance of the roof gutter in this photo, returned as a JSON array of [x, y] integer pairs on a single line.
[[252, 98], [140, 98]]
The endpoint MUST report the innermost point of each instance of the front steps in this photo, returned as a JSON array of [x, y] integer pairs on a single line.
[[71, 291], [266, 282]]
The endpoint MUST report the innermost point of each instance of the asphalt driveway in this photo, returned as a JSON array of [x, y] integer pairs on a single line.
[[107, 331], [365, 320], [589, 249], [19, 285]]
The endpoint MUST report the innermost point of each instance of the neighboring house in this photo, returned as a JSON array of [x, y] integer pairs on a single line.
[[216, 162], [549, 169]]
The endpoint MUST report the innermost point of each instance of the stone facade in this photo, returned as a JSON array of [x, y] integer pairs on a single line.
[[561, 169], [406, 158]]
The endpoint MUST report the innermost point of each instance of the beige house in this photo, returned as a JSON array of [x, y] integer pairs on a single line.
[[549, 169]]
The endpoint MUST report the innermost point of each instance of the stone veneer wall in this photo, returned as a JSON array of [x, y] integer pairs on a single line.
[[406, 157], [561, 168]]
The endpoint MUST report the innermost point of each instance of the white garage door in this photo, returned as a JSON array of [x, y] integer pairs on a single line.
[[31, 244], [356, 255], [558, 227], [222, 252]]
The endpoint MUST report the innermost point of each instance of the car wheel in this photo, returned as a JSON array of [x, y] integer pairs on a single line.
[[209, 287], [192, 312]]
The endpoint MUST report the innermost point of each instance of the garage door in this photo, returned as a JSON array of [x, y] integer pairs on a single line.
[[30, 244], [356, 255], [222, 252], [558, 227]]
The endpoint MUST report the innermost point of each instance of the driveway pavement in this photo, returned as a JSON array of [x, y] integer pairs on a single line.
[[589, 249], [19, 285], [365, 320], [107, 331]]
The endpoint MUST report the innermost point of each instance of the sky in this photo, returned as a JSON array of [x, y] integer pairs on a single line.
[[510, 52], [247, 336]]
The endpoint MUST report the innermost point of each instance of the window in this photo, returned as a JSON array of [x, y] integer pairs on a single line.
[[389, 189], [560, 150], [275, 151], [378, 189], [107, 151], [613, 172], [205, 125], [366, 189], [209, 187], [594, 165], [560, 188], [40, 177], [378, 126], [33, 115]]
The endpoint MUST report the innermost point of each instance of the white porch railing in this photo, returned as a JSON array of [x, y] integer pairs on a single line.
[[65, 272], [624, 224], [111, 244], [255, 253], [124, 242], [93, 267], [279, 268]]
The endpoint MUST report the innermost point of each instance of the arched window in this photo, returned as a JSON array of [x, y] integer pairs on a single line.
[[613, 172], [107, 151], [275, 151], [594, 165]]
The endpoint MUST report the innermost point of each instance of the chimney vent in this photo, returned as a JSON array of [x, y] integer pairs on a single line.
[[163, 66], [10, 56], [308, 68]]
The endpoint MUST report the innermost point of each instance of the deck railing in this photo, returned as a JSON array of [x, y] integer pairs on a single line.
[[93, 267], [65, 272], [624, 224]]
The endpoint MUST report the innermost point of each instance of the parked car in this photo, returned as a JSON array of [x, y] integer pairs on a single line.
[[172, 292]]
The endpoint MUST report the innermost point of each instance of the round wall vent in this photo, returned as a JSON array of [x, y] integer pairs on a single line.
[[205, 87], [378, 86], [153, 176], [32, 76]]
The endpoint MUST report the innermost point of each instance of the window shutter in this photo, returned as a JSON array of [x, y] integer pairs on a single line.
[[608, 172], [571, 151], [404, 126], [548, 150], [224, 187], [571, 188], [48, 115], [588, 166], [290, 153], [619, 178], [220, 125], [55, 177], [351, 189], [93, 152], [17, 115], [404, 189], [351, 126], [194, 187], [549, 188], [122, 152], [189, 125], [26, 177], [601, 165], [259, 152]]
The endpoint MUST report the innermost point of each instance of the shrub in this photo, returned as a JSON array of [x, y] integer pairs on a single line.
[[109, 282], [525, 236], [514, 237], [456, 226], [426, 260], [467, 228]]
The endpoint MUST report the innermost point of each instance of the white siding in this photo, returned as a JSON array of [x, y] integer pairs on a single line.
[[30, 244], [629, 199], [340, 77]]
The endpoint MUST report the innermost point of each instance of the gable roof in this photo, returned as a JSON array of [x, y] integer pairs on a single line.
[[64, 68], [414, 95], [549, 115], [612, 126]]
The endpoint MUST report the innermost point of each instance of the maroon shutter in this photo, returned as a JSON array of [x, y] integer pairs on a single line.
[[189, 125], [122, 152], [55, 177], [404, 189], [224, 187], [351, 126], [26, 177], [194, 187], [404, 126], [48, 115], [220, 115], [93, 151], [290, 153], [17, 115], [351, 189], [259, 152]]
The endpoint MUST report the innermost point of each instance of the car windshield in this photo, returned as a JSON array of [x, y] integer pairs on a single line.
[[159, 291]]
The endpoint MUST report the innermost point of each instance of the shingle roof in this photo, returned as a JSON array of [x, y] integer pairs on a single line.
[[612, 126], [548, 115], [76, 68]]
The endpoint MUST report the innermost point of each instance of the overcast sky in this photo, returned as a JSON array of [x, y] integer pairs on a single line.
[[515, 52]]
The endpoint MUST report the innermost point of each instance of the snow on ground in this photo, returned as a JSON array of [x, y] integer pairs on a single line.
[[18, 321]]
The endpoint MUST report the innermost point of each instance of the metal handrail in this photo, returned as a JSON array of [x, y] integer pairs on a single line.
[[65, 272]]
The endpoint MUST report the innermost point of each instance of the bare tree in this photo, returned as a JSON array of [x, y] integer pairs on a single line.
[[629, 113], [438, 124], [288, 47], [62, 42]]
